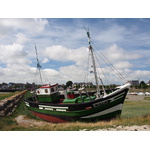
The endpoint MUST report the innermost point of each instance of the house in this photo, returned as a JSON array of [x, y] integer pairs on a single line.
[[82, 84], [133, 82], [4, 85], [19, 86], [0, 86], [148, 83]]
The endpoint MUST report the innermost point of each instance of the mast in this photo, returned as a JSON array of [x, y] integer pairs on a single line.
[[93, 62], [38, 65]]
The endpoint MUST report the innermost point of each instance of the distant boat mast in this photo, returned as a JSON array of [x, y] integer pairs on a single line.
[[38, 65]]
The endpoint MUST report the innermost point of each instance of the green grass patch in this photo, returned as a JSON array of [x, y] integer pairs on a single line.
[[147, 98], [5, 95], [28, 94], [135, 109]]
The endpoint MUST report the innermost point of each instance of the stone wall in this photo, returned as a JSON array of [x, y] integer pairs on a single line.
[[8, 105]]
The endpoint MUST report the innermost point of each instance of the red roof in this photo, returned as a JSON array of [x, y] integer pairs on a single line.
[[48, 85]]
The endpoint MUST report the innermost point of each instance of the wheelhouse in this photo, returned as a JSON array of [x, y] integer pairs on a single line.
[[48, 93]]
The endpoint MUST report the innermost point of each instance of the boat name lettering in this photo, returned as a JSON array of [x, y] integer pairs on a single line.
[[60, 110], [50, 108], [54, 107], [46, 108], [101, 103], [40, 107]]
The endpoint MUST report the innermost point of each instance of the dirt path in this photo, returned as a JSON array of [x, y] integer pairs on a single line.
[[25, 121]]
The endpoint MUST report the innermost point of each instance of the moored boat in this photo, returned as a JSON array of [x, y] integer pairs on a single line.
[[48, 104]]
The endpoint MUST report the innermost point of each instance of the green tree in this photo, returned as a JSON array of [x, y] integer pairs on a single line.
[[69, 83], [143, 85]]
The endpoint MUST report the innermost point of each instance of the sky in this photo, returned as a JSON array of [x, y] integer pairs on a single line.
[[62, 46]]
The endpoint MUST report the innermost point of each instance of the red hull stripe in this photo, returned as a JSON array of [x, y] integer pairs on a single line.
[[49, 118]]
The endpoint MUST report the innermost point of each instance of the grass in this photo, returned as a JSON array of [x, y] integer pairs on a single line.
[[134, 113], [135, 109], [5, 95], [147, 98]]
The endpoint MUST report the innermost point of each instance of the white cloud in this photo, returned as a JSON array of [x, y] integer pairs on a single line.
[[48, 76], [123, 64], [30, 25], [72, 72], [64, 74], [13, 54], [139, 74], [51, 72], [21, 38], [45, 60], [115, 53], [60, 53], [19, 73]]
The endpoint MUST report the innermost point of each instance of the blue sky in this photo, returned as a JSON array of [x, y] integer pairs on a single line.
[[62, 47]]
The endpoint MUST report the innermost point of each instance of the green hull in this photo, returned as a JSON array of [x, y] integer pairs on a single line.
[[48, 98]]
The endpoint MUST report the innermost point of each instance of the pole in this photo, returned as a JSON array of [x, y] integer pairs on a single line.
[[93, 63], [38, 65]]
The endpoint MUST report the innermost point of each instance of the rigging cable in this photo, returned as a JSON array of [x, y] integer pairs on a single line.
[[100, 67], [86, 74], [110, 65], [102, 72]]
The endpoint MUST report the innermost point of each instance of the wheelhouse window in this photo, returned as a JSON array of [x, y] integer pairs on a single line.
[[52, 90], [46, 90], [56, 88]]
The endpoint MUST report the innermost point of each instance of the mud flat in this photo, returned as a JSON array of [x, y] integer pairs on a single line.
[[136, 98]]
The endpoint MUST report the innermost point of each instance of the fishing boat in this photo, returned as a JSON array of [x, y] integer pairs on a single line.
[[48, 104]]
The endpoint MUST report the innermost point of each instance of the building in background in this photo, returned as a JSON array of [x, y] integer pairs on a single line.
[[134, 82], [148, 83]]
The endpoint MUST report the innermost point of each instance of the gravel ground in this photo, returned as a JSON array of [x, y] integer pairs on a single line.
[[128, 128]]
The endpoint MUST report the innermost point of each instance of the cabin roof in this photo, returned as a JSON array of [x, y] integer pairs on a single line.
[[48, 86]]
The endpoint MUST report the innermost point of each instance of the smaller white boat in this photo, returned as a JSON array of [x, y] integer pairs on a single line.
[[141, 94], [147, 93]]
